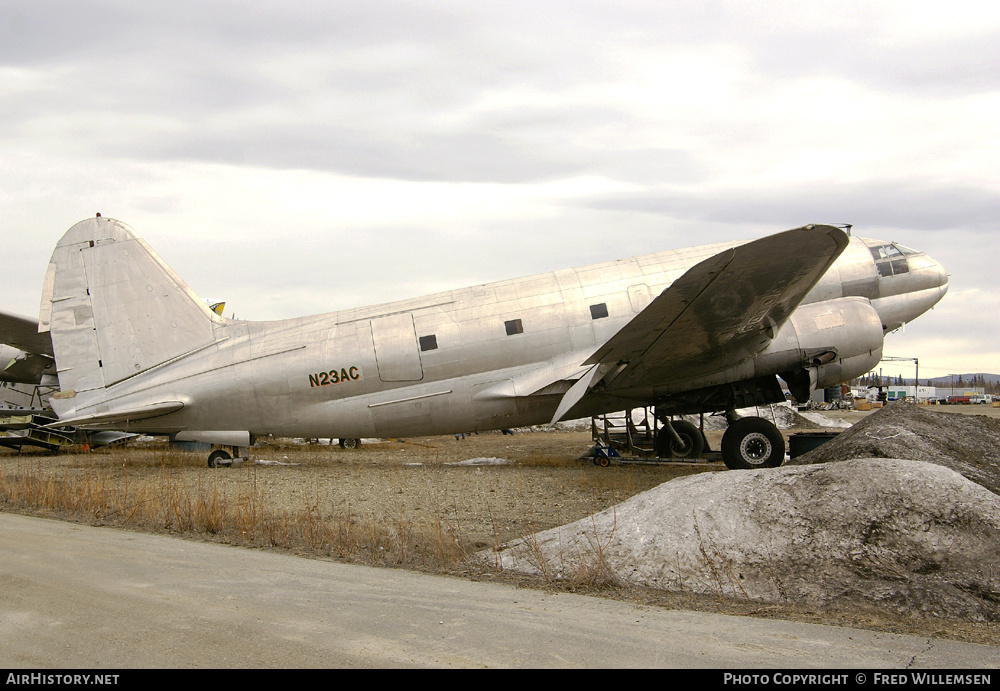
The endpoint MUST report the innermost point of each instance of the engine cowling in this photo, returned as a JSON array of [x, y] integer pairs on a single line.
[[829, 342], [820, 345]]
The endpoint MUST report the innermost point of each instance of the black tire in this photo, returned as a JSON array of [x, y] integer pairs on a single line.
[[219, 458], [602, 461], [693, 442], [349, 443], [752, 442]]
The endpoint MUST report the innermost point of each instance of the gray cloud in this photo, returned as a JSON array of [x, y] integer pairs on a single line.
[[903, 203], [97, 95], [398, 90], [937, 67]]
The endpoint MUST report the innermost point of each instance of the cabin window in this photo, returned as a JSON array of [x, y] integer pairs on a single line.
[[429, 342], [514, 327], [599, 311]]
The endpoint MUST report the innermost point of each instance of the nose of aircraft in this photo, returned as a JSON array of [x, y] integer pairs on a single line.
[[940, 275], [940, 278], [932, 276], [924, 274], [906, 295]]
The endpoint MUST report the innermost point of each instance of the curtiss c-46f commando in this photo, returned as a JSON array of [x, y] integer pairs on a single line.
[[705, 329]]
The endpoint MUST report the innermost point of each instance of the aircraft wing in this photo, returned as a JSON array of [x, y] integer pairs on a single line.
[[22, 333], [23, 368], [26, 354], [722, 311]]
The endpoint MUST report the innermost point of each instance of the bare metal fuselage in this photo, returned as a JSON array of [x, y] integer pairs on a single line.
[[497, 355]]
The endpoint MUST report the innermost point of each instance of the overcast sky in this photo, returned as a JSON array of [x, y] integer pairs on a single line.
[[301, 157]]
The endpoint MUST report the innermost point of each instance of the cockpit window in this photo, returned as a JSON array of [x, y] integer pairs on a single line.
[[899, 266], [881, 252], [890, 259]]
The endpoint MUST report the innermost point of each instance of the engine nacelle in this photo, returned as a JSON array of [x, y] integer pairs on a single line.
[[822, 344], [829, 342]]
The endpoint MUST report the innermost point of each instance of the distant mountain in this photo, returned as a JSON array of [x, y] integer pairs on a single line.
[[987, 380], [967, 378]]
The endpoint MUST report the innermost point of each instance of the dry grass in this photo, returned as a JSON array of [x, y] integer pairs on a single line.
[[359, 506], [214, 506]]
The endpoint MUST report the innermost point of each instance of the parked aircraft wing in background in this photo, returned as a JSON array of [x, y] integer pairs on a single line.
[[22, 333], [27, 357]]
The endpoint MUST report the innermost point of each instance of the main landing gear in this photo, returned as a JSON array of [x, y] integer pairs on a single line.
[[752, 442], [679, 439], [748, 442]]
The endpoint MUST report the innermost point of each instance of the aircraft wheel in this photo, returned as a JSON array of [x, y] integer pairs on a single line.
[[349, 443], [219, 458], [752, 442], [693, 442]]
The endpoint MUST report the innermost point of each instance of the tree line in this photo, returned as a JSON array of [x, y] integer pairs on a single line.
[[959, 381]]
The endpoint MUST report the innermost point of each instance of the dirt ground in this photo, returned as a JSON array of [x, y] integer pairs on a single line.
[[508, 486], [512, 484]]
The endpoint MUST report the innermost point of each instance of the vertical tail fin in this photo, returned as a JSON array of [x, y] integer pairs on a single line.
[[114, 309]]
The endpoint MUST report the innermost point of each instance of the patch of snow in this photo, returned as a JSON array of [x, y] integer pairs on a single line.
[[824, 420], [914, 536], [483, 461], [562, 426]]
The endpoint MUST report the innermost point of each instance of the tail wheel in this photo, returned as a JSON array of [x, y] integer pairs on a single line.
[[752, 442], [219, 458], [691, 445]]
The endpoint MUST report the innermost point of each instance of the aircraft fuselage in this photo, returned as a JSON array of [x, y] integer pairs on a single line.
[[491, 356]]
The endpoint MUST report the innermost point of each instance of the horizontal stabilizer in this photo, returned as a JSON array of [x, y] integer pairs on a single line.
[[120, 417], [106, 438]]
